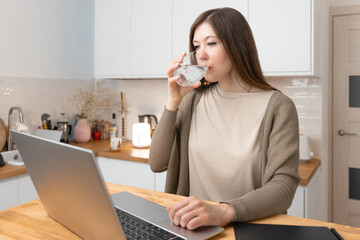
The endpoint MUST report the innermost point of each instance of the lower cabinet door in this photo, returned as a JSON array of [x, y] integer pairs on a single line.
[[128, 173], [298, 207], [9, 190], [27, 191], [160, 180]]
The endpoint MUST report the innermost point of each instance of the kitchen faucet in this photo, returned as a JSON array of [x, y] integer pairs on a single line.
[[21, 119]]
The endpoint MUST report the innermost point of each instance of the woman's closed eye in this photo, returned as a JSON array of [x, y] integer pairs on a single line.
[[211, 44]]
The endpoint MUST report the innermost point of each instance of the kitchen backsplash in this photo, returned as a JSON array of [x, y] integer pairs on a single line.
[[306, 95], [38, 96]]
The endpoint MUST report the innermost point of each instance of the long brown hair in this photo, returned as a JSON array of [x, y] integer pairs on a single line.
[[232, 29]]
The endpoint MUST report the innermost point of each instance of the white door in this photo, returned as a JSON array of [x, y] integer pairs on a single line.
[[346, 119]]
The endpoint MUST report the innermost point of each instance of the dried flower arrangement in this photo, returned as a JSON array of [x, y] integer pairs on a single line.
[[90, 100]]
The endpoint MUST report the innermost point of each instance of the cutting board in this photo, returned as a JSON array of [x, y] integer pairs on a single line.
[[2, 134]]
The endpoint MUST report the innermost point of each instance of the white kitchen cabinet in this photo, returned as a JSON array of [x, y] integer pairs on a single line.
[[132, 38], [131, 173], [186, 11], [307, 200], [128, 173], [16, 190], [298, 207], [9, 190], [151, 38], [102, 163], [284, 35], [160, 180], [27, 191], [139, 38], [112, 38]]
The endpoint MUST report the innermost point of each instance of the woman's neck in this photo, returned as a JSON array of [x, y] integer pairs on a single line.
[[236, 84]]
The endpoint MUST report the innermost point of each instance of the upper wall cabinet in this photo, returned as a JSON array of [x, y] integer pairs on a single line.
[[139, 38], [112, 37], [284, 35], [184, 16], [132, 38]]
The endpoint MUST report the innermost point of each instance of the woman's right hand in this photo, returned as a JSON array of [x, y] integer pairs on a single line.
[[175, 91]]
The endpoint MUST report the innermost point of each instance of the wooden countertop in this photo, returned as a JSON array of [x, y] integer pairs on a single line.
[[9, 171], [101, 148], [307, 170], [30, 221]]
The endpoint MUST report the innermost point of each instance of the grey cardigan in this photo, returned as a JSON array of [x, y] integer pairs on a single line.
[[279, 156]]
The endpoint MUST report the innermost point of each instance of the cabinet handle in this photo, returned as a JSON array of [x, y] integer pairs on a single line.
[[342, 133]]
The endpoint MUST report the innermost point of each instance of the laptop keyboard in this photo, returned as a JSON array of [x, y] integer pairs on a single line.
[[136, 228]]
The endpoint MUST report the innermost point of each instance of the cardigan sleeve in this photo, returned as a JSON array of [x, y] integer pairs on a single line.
[[162, 141], [280, 157]]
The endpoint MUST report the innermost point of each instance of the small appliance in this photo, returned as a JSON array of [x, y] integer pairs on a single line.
[[141, 135], [151, 120], [305, 150], [66, 129]]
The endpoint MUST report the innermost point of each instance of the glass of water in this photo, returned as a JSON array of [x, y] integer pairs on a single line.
[[189, 72]]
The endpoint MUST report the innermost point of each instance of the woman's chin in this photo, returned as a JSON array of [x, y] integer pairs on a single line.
[[208, 78]]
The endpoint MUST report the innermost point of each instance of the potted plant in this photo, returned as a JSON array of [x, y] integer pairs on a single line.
[[88, 102]]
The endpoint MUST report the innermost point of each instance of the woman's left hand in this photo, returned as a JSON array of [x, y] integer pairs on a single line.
[[192, 213]]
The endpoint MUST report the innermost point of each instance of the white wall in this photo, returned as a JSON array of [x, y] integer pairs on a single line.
[[47, 39], [47, 49], [319, 202], [37, 96]]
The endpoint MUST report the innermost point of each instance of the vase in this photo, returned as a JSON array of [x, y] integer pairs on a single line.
[[82, 131]]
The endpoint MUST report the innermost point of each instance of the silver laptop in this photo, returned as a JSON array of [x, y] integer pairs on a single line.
[[72, 190]]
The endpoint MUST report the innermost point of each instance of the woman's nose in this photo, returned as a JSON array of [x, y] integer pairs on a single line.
[[201, 55]]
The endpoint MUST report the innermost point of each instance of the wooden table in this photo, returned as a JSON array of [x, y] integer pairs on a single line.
[[30, 221]]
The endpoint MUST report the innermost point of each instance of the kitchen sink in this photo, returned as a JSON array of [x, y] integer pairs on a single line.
[[12, 157]]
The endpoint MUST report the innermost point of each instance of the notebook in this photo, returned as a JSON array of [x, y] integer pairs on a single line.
[[245, 231], [72, 190]]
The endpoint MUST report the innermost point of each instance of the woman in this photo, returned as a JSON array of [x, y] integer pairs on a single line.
[[234, 139]]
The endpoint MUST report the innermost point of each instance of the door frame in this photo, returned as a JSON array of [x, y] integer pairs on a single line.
[[334, 12]]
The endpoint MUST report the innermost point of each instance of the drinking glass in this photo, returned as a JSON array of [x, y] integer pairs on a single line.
[[189, 72]]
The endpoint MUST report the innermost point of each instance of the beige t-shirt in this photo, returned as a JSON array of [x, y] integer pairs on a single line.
[[224, 160]]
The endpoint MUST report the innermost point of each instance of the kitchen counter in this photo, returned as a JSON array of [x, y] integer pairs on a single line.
[[101, 148], [30, 221], [307, 170], [8, 171]]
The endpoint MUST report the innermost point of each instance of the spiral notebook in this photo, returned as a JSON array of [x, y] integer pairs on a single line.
[[245, 231]]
